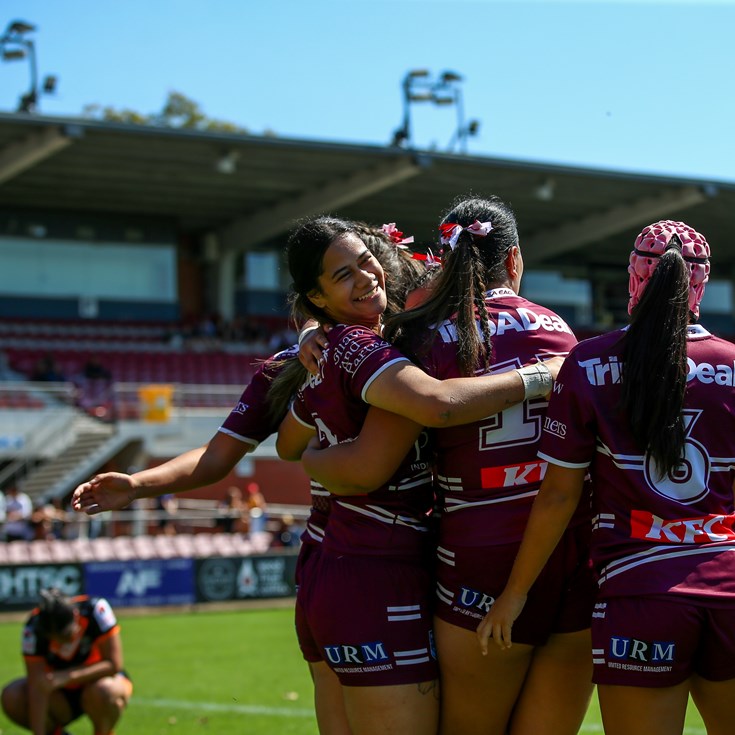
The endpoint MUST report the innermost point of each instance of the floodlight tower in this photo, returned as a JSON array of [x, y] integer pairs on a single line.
[[16, 45], [419, 86]]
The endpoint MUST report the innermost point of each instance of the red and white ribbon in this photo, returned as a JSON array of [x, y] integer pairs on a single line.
[[450, 232], [396, 235]]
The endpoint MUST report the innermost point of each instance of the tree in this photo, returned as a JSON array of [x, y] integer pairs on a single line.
[[178, 112]]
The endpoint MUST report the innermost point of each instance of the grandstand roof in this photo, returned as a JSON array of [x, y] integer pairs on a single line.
[[576, 219]]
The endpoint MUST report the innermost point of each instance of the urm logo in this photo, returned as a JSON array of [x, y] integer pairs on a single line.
[[633, 649], [365, 653], [473, 599]]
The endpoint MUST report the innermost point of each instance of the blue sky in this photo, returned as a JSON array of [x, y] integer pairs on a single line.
[[634, 86]]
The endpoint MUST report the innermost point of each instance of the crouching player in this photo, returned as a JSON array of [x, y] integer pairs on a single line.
[[73, 656]]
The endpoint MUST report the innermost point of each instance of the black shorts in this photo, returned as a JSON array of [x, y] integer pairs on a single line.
[[74, 697]]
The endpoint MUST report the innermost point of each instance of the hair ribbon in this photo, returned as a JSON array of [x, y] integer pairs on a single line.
[[396, 236], [450, 232]]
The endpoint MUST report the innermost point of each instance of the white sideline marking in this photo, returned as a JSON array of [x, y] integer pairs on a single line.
[[255, 709], [246, 709]]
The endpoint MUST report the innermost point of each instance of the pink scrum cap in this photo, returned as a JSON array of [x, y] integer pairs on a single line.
[[652, 243]]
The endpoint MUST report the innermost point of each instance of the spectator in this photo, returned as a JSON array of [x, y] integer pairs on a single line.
[[95, 370], [47, 371], [18, 512], [257, 509], [168, 506], [6, 372], [230, 512], [288, 533], [48, 519]]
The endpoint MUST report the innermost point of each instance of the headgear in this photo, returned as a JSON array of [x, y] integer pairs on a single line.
[[652, 243]]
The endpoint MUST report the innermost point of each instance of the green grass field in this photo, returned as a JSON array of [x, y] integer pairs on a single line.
[[215, 672]]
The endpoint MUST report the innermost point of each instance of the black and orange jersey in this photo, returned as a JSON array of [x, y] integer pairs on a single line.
[[96, 621]]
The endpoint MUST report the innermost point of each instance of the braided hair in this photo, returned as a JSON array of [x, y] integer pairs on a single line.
[[475, 264]]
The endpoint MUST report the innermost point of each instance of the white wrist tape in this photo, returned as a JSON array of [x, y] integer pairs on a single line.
[[306, 332], [537, 380]]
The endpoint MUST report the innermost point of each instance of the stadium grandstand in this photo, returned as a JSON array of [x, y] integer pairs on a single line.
[[142, 281]]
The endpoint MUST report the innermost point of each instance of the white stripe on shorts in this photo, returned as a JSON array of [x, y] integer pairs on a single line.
[[408, 658], [408, 612]]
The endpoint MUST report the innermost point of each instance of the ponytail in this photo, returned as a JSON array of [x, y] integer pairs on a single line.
[[655, 357], [472, 266]]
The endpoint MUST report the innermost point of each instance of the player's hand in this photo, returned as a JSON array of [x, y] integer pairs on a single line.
[[498, 623], [108, 491], [311, 348], [56, 680]]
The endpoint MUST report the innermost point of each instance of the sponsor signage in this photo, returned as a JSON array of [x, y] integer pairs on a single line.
[[21, 584], [142, 582], [152, 582], [242, 578]]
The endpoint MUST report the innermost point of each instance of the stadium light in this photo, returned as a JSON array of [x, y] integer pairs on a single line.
[[20, 27], [419, 85], [15, 45]]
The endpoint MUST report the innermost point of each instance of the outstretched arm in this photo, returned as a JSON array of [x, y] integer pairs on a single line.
[[192, 469], [407, 390], [552, 510]]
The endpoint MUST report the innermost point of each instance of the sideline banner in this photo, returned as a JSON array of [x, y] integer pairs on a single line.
[[141, 583], [246, 577], [21, 584], [153, 582]]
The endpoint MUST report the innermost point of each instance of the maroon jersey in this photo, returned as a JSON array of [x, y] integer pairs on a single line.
[[391, 520], [250, 420], [652, 534], [489, 471]]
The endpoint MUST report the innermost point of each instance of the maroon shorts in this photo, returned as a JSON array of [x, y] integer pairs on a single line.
[[660, 641], [369, 619], [307, 554], [470, 579]]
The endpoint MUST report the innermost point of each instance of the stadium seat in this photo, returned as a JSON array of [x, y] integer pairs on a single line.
[[224, 544], [241, 544], [204, 545], [123, 548], [82, 549], [62, 551], [19, 552], [164, 547], [103, 549], [143, 547], [261, 541], [39, 552]]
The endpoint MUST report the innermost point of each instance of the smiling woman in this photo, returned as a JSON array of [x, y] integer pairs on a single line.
[[351, 288]]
